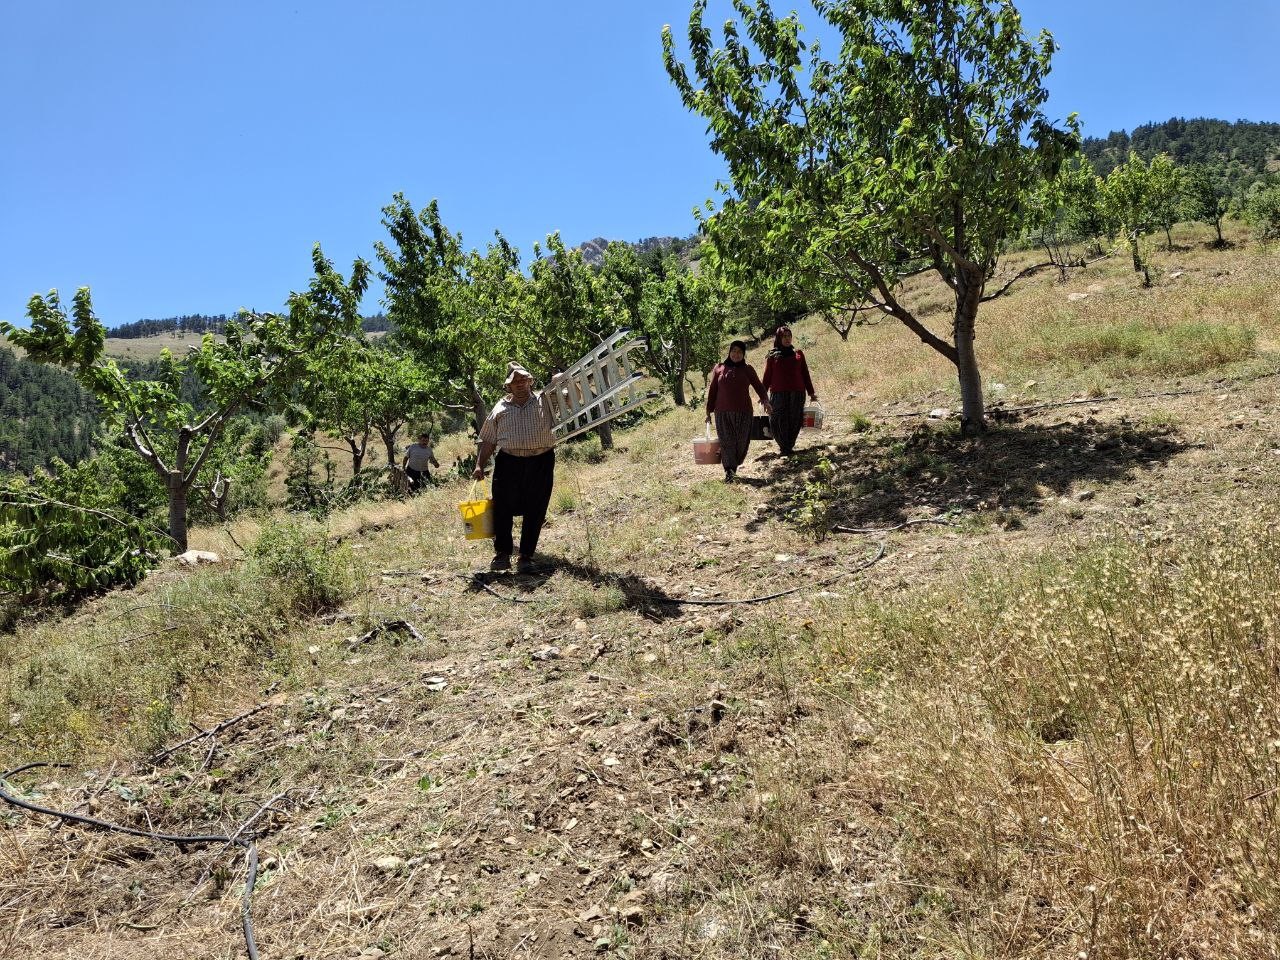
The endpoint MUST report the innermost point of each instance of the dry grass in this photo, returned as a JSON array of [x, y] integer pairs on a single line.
[[1084, 751], [923, 762]]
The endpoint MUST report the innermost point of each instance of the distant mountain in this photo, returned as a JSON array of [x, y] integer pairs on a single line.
[[1242, 150], [593, 250], [200, 323]]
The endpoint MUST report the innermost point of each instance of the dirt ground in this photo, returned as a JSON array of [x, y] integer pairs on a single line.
[[570, 765]]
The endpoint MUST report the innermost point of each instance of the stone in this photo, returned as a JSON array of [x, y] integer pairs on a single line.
[[390, 864], [193, 558], [1083, 495], [1077, 297], [940, 413]]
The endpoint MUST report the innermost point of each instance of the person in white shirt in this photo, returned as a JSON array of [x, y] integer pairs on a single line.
[[418, 459], [519, 428]]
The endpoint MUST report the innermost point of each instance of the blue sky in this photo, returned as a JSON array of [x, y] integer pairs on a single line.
[[183, 157]]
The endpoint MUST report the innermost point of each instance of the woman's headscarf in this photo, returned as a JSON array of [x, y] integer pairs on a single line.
[[778, 349], [728, 357]]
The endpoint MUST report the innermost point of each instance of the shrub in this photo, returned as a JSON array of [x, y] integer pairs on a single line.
[[1261, 210], [586, 449], [313, 575]]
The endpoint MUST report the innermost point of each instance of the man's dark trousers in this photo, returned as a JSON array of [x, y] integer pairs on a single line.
[[521, 488]]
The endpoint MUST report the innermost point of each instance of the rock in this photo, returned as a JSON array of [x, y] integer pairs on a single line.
[[580, 626], [940, 413], [1077, 297], [390, 864], [611, 761], [374, 953], [436, 684], [547, 653], [1083, 495], [194, 558], [1176, 274]]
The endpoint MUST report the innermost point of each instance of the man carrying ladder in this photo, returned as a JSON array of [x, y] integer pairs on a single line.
[[523, 428]]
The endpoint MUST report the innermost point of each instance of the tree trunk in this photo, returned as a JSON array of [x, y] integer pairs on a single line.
[[1218, 226], [1168, 239], [357, 452], [177, 511], [968, 296], [1133, 251], [479, 409], [677, 388], [605, 432], [389, 441]]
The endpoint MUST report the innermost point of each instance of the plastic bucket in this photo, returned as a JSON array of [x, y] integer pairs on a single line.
[[813, 417], [477, 516], [706, 450]]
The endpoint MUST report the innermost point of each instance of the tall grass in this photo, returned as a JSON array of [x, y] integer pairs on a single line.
[[1086, 754], [133, 670]]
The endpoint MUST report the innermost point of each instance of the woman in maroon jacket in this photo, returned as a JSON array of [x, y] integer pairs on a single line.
[[729, 398], [786, 377]]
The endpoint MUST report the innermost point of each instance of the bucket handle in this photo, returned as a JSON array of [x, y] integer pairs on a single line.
[[707, 428], [472, 494]]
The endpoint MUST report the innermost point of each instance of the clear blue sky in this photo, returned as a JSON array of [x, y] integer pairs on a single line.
[[183, 157]]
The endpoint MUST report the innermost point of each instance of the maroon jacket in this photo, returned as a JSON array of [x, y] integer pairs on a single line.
[[730, 389], [785, 374]]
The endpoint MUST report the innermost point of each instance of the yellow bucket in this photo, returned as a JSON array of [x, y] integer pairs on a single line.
[[477, 516]]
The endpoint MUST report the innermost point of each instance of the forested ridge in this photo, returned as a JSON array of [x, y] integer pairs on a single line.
[[1242, 150], [44, 414], [199, 323]]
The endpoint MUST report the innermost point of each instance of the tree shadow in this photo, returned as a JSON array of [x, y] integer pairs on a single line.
[[646, 599], [1019, 469]]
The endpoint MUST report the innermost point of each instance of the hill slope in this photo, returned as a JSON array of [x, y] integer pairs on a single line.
[[1043, 726]]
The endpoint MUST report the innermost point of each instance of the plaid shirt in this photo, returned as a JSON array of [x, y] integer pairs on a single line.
[[520, 430]]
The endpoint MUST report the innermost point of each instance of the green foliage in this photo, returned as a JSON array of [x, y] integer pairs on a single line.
[[63, 535], [1129, 204], [260, 357], [679, 312], [813, 505], [1261, 209], [1064, 213], [582, 449], [458, 312], [1205, 198], [314, 575], [916, 147]]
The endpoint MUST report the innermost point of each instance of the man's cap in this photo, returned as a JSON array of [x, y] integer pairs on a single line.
[[515, 370]]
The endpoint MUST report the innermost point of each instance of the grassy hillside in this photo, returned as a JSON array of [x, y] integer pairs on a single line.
[[1042, 724]]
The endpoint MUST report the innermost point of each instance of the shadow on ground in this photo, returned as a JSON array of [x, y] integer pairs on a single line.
[[887, 478], [640, 595]]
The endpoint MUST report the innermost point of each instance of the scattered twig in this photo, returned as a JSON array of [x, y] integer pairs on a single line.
[[182, 841], [838, 528], [387, 626], [235, 838], [213, 731]]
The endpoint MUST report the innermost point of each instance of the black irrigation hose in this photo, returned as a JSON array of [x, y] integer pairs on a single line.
[[180, 840], [661, 598]]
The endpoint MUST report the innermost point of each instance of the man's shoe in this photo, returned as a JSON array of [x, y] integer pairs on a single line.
[[524, 565], [501, 561]]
